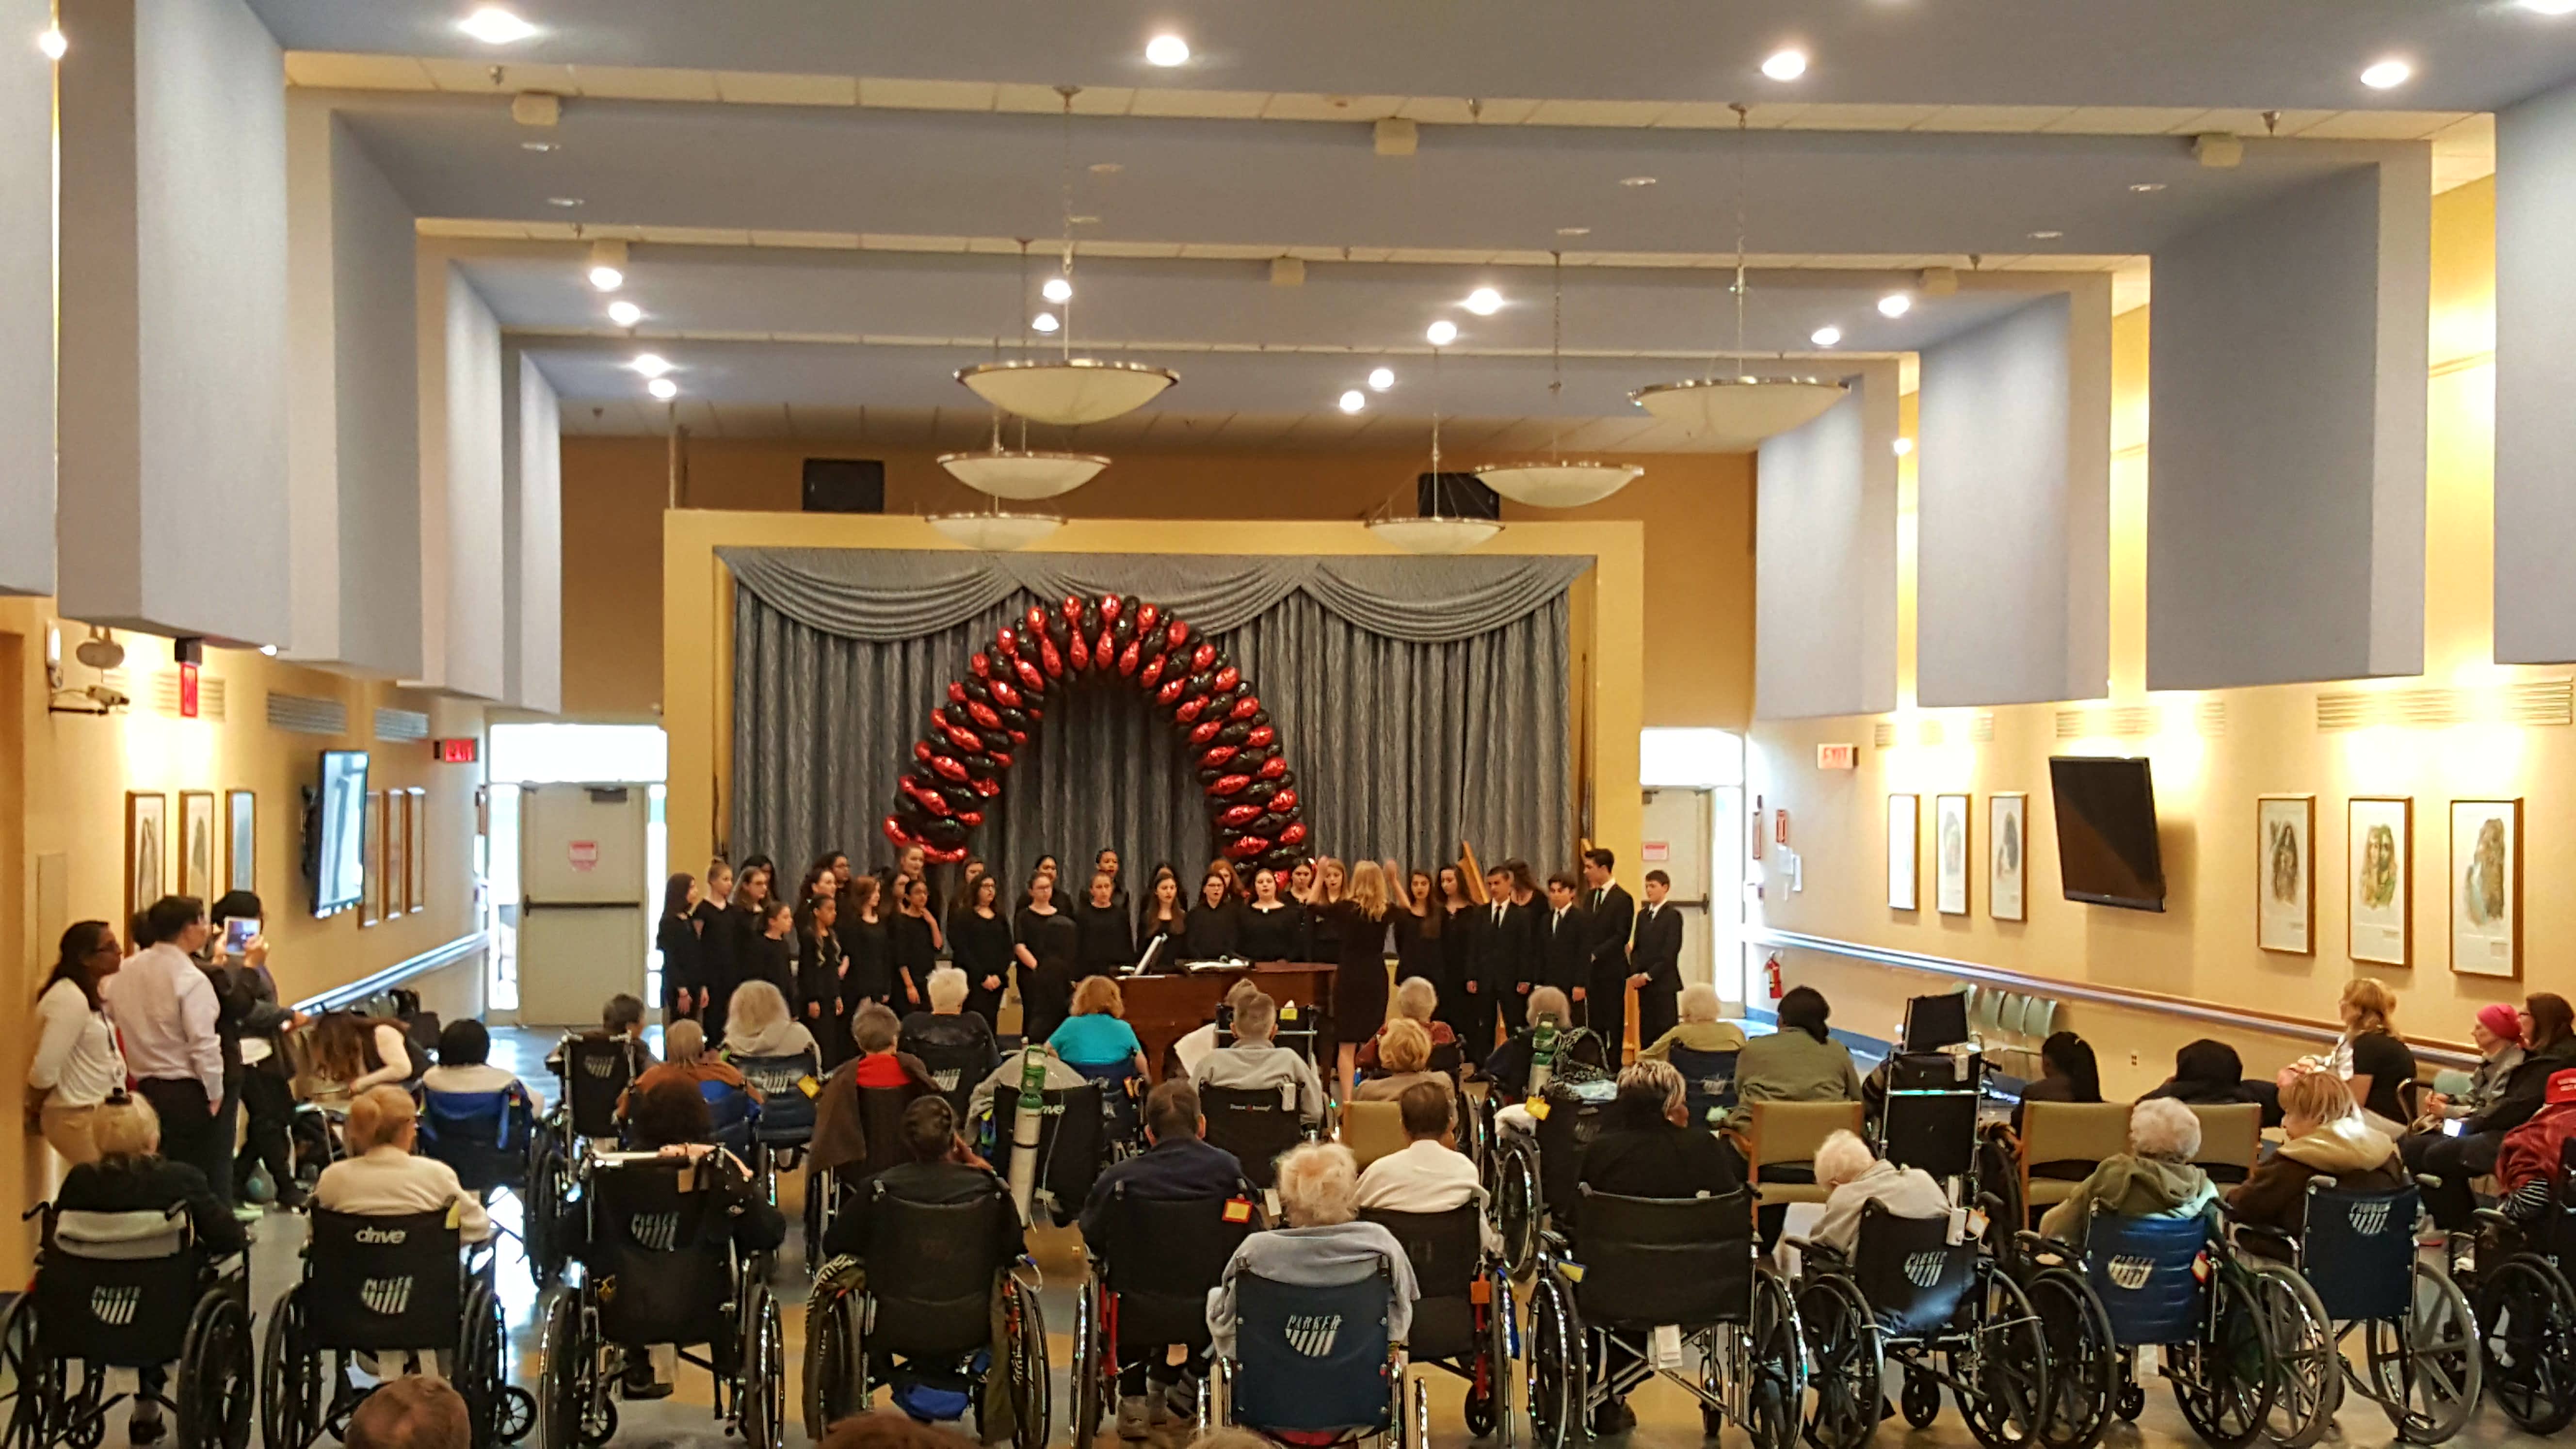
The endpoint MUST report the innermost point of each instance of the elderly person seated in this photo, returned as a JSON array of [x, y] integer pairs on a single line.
[[2208, 1073], [2326, 1137], [1194, 1047], [1416, 1000], [1699, 1030], [1430, 1174], [2498, 1033], [938, 1168], [1856, 1178], [382, 1178], [840, 1126], [949, 1027], [1256, 1061], [1508, 1068], [1404, 1061], [2155, 1178], [1097, 1036], [757, 1024], [1323, 1245], [1801, 1062], [685, 1058]]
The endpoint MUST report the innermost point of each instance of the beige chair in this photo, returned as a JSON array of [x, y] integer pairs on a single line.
[[2231, 1136], [1372, 1130], [2067, 1132], [1788, 1133]]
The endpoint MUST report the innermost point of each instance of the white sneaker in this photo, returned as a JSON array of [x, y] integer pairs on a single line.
[[1132, 1418]]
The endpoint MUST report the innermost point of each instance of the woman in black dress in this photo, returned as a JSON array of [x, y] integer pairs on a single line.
[[771, 955], [914, 936], [1163, 913], [1215, 927], [744, 914], [869, 975], [1272, 929], [1049, 948], [682, 969], [715, 943], [1323, 921], [1417, 933], [1108, 937], [1045, 866], [1455, 943], [819, 965], [979, 941], [1364, 924]]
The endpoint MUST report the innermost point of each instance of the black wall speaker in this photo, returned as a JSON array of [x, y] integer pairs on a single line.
[[844, 485]]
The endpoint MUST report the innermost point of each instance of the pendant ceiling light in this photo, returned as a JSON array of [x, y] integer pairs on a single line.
[[1433, 532], [1745, 408], [1021, 473], [996, 532], [1557, 483], [1066, 389]]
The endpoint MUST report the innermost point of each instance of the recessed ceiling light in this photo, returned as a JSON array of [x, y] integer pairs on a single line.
[[1895, 304], [625, 314], [2143, 187], [1636, 181], [1786, 65], [1381, 378], [2046, 235], [1167, 50], [607, 278], [540, 147], [2386, 74], [494, 25], [1484, 301], [1826, 336], [1587, 231], [52, 43], [1044, 322], [1106, 168], [651, 364], [1354, 400], [566, 202], [1903, 446], [1057, 289], [663, 388], [2550, 7], [1442, 332]]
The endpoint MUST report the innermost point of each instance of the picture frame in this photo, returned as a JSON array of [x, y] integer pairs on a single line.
[[2007, 853], [241, 854], [1904, 851], [1952, 838], [147, 839], [2379, 879], [197, 855], [2285, 878], [2485, 885], [417, 897], [397, 857], [371, 847]]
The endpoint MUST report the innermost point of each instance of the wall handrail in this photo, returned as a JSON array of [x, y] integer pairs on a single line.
[[445, 954], [2242, 1018]]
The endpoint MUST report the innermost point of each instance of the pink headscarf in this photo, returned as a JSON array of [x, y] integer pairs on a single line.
[[2502, 1020]]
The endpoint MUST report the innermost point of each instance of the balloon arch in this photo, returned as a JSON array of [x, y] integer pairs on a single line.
[[956, 770]]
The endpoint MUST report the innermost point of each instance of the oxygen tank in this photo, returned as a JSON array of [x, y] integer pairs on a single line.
[[1026, 1120], [1542, 1055]]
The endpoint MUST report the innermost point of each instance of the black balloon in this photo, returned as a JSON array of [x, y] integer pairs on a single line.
[[1091, 620], [977, 690], [1270, 824], [1013, 719], [1210, 776], [1260, 791], [946, 834], [1233, 734]]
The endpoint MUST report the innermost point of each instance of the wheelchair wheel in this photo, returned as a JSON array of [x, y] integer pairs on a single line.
[[1556, 1363], [1919, 1400], [1516, 1206], [1024, 1358], [2006, 1366], [836, 1365], [2224, 1385], [35, 1381], [760, 1393], [1094, 1382], [1848, 1362], [542, 1206], [2426, 1368], [217, 1378], [2132, 1400], [1778, 1368], [1488, 1408], [2527, 1333], [480, 1374], [2083, 1359], [290, 1379], [2307, 1359], [83, 1417], [570, 1410]]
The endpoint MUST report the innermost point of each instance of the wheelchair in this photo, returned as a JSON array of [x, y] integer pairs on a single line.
[[1320, 1364], [1254, 1125], [784, 1123], [1643, 1265], [2420, 1337], [2171, 1282], [1531, 1172], [881, 1112], [2527, 1310], [661, 1268], [389, 1287], [954, 1070], [922, 1316], [1708, 1083], [1073, 1147], [1151, 1269], [595, 1073], [128, 1290], [1464, 1319]]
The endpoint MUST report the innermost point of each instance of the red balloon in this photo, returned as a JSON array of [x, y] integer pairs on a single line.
[[1294, 835], [1007, 640], [956, 692], [1109, 608], [965, 742], [1238, 816], [1259, 739], [1036, 620], [1006, 692], [937, 856], [1175, 634], [927, 799], [1078, 654], [1128, 656], [895, 832], [984, 715], [970, 818], [987, 788], [1190, 708], [1147, 616], [1204, 731], [1029, 675], [1284, 801], [1152, 673], [1104, 651], [981, 664], [1071, 608], [1171, 690], [1230, 785], [1048, 657], [1273, 768], [1218, 756], [1000, 758], [921, 749], [1245, 708], [1226, 677], [948, 768], [1202, 656], [1244, 847]]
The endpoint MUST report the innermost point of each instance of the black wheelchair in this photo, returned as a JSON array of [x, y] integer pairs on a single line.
[[1321, 1364], [784, 1126], [1531, 1172], [1072, 1148], [390, 1288], [1463, 1318], [2527, 1310], [1152, 1264], [595, 1072], [1708, 1084], [922, 1315], [128, 1290], [1254, 1125], [2171, 1283], [1638, 1267], [661, 1268], [1122, 1101]]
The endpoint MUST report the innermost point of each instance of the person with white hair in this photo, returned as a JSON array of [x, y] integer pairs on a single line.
[[2155, 1178], [1257, 1061], [948, 1026], [1324, 1244], [1509, 1066], [1855, 1177], [1699, 1030], [757, 1024], [1416, 1000]]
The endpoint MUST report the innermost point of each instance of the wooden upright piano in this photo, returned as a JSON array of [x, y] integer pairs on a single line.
[[1165, 1007]]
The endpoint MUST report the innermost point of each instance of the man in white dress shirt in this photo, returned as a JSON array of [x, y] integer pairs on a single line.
[[1429, 1175], [164, 1007]]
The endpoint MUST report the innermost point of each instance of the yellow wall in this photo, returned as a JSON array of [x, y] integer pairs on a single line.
[[1699, 549], [2202, 946]]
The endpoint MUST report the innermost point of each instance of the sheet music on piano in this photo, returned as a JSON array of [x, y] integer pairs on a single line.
[[1145, 964]]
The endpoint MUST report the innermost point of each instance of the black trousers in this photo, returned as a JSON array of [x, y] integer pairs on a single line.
[[192, 1128], [1605, 1011], [1658, 1011], [1471, 1018], [1140, 1363], [269, 1103], [2455, 1160]]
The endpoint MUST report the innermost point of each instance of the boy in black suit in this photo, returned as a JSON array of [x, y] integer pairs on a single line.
[[1613, 912], [1565, 949], [1655, 963], [1495, 981]]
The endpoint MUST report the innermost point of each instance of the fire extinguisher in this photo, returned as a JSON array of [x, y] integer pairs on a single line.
[[1771, 977]]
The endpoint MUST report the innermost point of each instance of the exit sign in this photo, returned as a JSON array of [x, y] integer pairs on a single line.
[[455, 752], [1837, 757]]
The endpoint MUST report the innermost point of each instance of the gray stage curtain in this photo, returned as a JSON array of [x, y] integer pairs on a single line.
[[1419, 701]]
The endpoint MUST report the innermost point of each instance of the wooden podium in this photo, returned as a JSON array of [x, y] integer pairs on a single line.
[[1165, 1007]]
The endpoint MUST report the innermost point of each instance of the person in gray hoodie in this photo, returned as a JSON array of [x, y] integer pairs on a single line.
[[1323, 1245], [2153, 1179]]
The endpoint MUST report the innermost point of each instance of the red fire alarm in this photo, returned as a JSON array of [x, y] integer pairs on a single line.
[[456, 752]]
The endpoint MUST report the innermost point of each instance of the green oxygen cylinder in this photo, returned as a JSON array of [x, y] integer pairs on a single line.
[[1542, 1054], [1026, 1120]]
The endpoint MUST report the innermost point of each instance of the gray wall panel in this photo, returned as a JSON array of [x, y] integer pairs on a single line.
[[532, 556], [2535, 386], [461, 514], [1825, 560], [26, 304]]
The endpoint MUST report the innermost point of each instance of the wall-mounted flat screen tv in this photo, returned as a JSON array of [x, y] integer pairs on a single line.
[[2106, 832], [340, 860]]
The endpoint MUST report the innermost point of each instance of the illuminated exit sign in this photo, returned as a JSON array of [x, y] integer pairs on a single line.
[[1837, 757], [455, 752]]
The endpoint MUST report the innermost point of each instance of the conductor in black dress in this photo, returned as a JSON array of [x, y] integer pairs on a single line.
[[1565, 946], [1614, 914], [1655, 962]]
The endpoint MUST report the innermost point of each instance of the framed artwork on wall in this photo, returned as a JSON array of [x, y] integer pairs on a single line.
[[1950, 839], [197, 845], [241, 871], [2379, 869], [1904, 845], [417, 896], [371, 856], [147, 838], [397, 854], [2486, 887], [2007, 831], [2285, 890]]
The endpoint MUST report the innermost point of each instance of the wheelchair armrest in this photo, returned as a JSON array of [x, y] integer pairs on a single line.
[[2264, 1232], [2036, 1243], [1817, 1255], [2492, 1218]]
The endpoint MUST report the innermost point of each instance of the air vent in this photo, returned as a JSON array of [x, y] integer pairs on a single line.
[[2531, 702], [401, 724], [304, 715], [210, 695], [2121, 722], [1883, 734], [1981, 730], [2213, 717]]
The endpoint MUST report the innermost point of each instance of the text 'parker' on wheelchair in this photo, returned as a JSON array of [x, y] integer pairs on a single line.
[[128, 1290], [1640, 1268], [393, 1288], [1319, 1365]]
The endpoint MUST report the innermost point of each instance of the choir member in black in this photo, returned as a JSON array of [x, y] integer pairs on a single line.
[[715, 940], [1655, 965], [1323, 922], [771, 955], [1108, 937], [1106, 863], [1273, 929], [979, 941], [1417, 935], [683, 971], [1045, 865], [1237, 888], [1215, 927], [1565, 944], [912, 864], [1363, 921], [870, 973], [1500, 967], [1614, 915], [1049, 948], [744, 914], [1164, 916], [914, 934], [1533, 904], [819, 969], [1457, 920]]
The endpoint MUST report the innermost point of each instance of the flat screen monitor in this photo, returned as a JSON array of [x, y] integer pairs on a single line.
[[2106, 832], [340, 876]]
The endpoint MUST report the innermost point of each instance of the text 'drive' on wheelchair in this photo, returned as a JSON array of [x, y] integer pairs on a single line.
[[1640, 1269], [134, 1291], [2356, 1268], [1153, 1263], [395, 1289], [659, 1266]]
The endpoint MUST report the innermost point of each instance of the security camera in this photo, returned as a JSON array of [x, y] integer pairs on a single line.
[[106, 698]]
